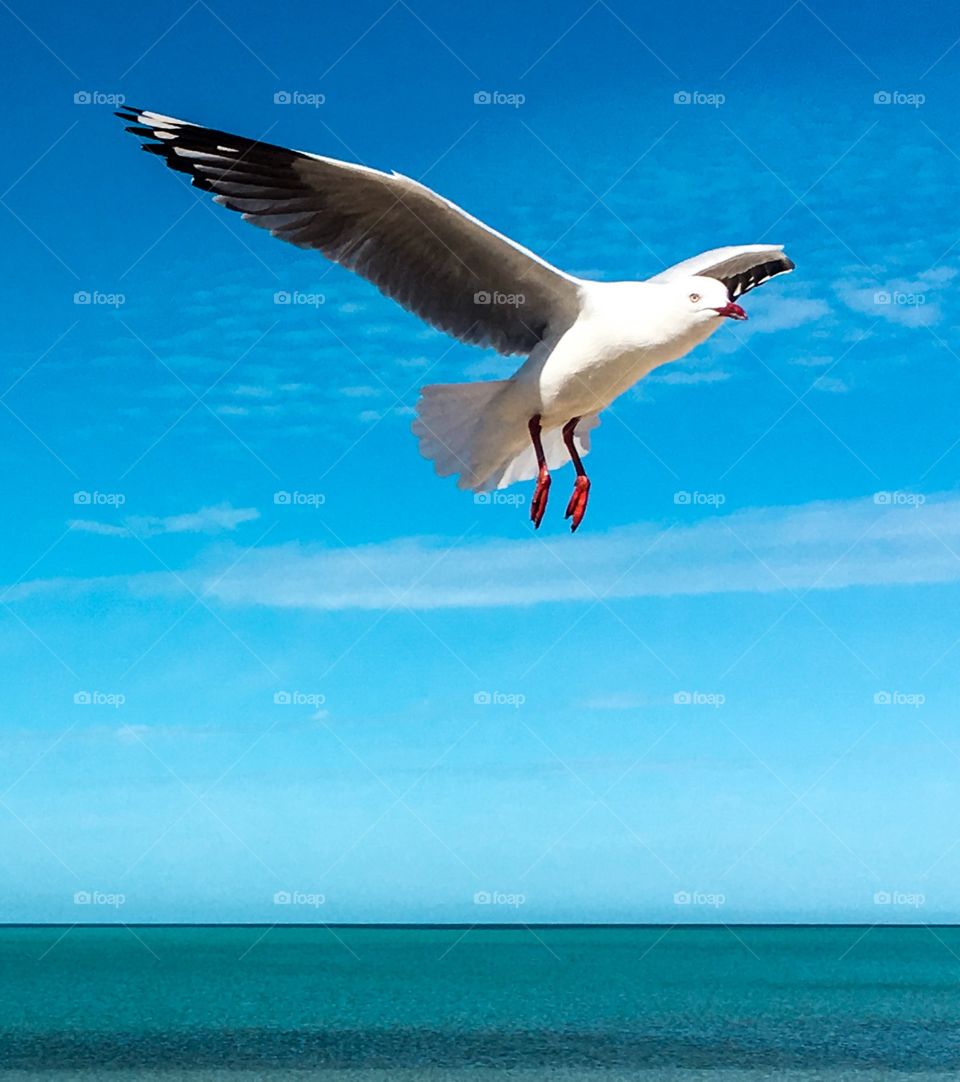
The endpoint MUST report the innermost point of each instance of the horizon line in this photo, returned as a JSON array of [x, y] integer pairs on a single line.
[[480, 926]]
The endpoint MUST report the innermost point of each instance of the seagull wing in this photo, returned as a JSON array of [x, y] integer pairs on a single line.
[[430, 256], [740, 268]]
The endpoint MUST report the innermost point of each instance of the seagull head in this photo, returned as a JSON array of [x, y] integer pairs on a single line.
[[706, 299]]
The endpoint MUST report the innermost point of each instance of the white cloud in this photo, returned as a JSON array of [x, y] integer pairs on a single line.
[[831, 385], [788, 313], [817, 546], [909, 302], [687, 376], [208, 520], [812, 362], [250, 390], [104, 529], [362, 391]]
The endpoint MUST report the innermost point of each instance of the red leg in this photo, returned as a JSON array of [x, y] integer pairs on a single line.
[[542, 491], [577, 506]]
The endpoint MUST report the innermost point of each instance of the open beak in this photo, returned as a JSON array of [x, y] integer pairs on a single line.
[[734, 311]]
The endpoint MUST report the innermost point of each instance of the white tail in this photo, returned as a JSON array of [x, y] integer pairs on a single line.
[[454, 422], [476, 430]]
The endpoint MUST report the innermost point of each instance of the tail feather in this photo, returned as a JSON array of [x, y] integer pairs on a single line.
[[474, 430], [454, 422]]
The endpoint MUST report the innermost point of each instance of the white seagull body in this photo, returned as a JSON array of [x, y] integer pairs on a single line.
[[586, 342]]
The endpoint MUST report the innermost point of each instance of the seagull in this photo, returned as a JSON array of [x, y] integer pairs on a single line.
[[585, 342]]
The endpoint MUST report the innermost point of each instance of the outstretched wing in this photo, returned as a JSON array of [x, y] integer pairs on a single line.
[[740, 268], [426, 253]]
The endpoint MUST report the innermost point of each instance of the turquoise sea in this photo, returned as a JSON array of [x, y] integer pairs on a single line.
[[360, 1003]]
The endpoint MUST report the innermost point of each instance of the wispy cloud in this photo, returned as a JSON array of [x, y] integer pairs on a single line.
[[687, 376], [884, 540], [208, 520], [831, 385], [787, 313], [816, 546], [816, 361], [908, 301]]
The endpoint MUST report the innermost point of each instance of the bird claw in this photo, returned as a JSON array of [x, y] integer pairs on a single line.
[[577, 507], [540, 494]]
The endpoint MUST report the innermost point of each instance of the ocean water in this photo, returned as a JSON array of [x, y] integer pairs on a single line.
[[292, 1002]]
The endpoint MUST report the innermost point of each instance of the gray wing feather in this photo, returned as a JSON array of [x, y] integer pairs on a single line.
[[426, 253]]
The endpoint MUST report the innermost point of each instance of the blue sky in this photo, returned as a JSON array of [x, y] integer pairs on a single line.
[[736, 706]]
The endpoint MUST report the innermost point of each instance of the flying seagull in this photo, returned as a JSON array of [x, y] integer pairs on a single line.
[[585, 342]]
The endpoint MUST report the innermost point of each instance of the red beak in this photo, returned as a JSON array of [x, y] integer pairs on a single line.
[[734, 311]]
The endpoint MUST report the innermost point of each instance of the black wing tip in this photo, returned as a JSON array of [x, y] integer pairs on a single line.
[[128, 112]]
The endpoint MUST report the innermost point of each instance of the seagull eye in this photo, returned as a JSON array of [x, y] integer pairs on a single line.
[[694, 297]]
